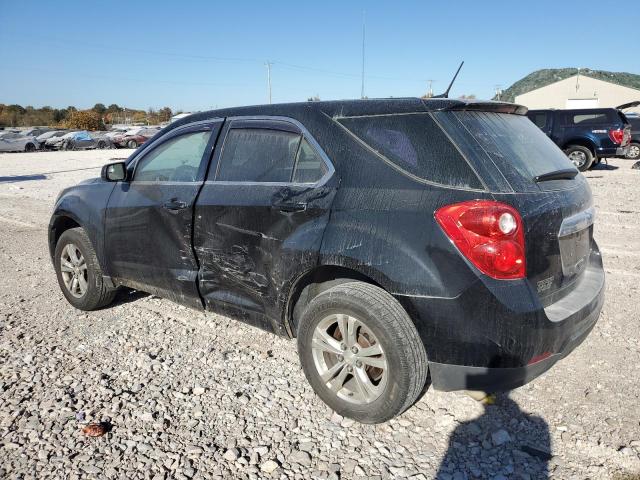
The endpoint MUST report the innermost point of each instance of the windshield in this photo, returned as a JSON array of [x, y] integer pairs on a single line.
[[517, 147]]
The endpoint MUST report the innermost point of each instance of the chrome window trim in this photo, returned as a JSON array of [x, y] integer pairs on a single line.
[[306, 135], [577, 222], [164, 138]]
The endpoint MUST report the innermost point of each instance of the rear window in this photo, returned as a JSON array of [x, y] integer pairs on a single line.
[[417, 145], [519, 149]]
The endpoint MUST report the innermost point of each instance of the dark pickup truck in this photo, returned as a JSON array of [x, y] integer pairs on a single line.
[[586, 135]]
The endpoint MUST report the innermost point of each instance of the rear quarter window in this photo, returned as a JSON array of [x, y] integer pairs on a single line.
[[415, 144]]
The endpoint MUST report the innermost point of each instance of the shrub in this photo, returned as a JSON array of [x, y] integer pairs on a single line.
[[84, 120]]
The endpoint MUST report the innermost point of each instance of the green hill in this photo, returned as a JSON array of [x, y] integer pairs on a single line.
[[547, 76]]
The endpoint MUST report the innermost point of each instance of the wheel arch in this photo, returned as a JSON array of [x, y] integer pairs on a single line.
[[583, 142], [312, 283], [59, 224]]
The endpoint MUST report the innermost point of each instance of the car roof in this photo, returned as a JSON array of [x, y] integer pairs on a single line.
[[352, 108]]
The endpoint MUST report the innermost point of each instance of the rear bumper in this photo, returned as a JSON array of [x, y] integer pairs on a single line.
[[619, 152], [498, 337], [447, 377]]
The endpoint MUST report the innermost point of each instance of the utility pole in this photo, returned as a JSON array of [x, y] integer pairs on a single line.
[[578, 80], [498, 91], [363, 37], [430, 91], [268, 65]]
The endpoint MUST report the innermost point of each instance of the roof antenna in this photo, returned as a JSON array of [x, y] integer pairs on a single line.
[[446, 93]]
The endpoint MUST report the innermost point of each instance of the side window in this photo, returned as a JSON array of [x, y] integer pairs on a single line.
[[176, 160], [540, 119], [258, 155], [588, 119], [309, 165]]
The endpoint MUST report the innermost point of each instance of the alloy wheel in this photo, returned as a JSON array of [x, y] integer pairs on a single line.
[[349, 359], [634, 152], [578, 158], [74, 270]]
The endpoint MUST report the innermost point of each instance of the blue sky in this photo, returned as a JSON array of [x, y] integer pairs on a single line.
[[195, 55]]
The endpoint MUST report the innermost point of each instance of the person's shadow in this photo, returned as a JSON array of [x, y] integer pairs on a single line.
[[503, 443]]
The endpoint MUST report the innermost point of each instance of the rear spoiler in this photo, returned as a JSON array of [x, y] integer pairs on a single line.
[[488, 106]]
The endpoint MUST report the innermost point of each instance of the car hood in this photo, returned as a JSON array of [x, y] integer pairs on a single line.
[[89, 181]]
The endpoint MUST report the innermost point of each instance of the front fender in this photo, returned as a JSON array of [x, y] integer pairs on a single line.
[[84, 205]]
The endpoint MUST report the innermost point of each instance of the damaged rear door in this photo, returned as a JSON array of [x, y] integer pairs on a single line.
[[260, 217], [149, 218]]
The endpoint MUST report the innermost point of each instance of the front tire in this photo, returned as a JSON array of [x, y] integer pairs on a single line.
[[29, 147], [580, 156], [132, 144], [79, 273], [68, 146], [361, 352], [634, 151]]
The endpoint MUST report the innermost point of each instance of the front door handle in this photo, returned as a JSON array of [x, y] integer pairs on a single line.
[[291, 207], [175, 204]]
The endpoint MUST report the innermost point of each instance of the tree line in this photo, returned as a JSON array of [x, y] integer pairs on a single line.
[[92, 119]]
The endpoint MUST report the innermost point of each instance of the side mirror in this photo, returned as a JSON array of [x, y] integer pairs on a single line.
[[114, 172]]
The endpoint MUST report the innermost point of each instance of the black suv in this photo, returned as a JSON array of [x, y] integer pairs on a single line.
[[392, 237], [586, 135]]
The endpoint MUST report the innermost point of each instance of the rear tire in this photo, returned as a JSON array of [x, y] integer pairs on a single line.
[[76, 259], [580, 156], [378, 368], [29, 147], [102, 144], [634, 151], [132, 144]]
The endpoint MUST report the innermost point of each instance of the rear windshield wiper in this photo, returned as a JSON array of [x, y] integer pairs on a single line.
[[566, 174]]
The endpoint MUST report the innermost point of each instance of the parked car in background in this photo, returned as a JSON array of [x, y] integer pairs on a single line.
[[42, 139], [16, 142], [134, 138], [634, 146], [35, 131], [80, 140], [394, 238], [634, 120], [102, 140], [586, 135]]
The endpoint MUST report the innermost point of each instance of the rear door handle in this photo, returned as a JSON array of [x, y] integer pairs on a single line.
[[291, 207], [175, 204]]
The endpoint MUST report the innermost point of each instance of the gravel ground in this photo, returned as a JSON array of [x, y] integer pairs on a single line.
[[188, 395]]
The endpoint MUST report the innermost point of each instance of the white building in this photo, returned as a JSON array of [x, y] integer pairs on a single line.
[[579, 91]]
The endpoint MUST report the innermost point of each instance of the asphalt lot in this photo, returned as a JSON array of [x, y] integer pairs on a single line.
[[189, 395]]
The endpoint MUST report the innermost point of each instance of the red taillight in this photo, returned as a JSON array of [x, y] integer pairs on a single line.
[[489, 234], [616, 136]]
